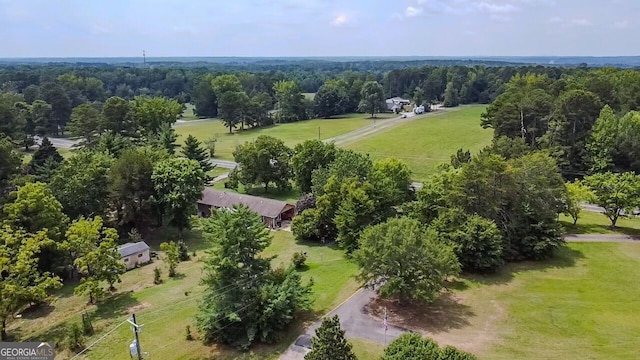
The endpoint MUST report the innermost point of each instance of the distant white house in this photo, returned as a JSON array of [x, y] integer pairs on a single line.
[[395, 104], [134, 254]]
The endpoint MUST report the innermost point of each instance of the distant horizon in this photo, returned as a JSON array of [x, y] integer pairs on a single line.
[[317, 28], [430, 57]]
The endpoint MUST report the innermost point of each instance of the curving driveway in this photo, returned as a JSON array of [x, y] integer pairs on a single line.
[[355, 321]]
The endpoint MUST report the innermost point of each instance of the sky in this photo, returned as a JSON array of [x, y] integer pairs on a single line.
[[123, 28]]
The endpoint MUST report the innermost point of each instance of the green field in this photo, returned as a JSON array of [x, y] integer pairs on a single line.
[[166, 309], [582, 304], [188, 113], [290, 133], [596, 223], [426, 142]]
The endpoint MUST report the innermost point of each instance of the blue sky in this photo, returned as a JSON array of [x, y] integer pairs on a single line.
[[79, 28]]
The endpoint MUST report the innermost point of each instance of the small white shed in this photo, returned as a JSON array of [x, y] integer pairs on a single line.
[[134, 254]]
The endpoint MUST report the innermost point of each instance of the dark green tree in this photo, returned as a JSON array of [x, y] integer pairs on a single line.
[[153, 114], [451, 98], [247, 303], [232, 100], [203, 98], [329, 342], [193, 149], [45, 161], [178, 183], [329, 101], [86, 122], [81, 184], [372, 98], [307, 157], [130, 186], [289, 101], [117, 117]]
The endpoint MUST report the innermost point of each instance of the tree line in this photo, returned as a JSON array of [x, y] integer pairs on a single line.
[[53, 92]]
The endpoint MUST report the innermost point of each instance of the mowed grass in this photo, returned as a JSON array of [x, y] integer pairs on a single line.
[[290, 133], [187, 113], [428, 141], [166, 309], [582, 304], [595, 223], [365, 349]]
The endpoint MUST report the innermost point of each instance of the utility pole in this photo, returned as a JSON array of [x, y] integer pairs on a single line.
[[135, 331], [144, 58], [318, 132]]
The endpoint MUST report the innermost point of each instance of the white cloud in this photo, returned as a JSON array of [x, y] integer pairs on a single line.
[[412, 11], [495, 8], [621, 24], [555, 20], [581, 22], [340, 20]]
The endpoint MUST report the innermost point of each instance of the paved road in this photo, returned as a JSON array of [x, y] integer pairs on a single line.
[[601, 238], [61, 143], [355, 321]]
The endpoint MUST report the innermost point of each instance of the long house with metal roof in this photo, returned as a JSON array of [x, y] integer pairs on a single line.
[[273, 212]]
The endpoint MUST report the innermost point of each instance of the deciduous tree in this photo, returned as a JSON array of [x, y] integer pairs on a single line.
[[615, 192], [263, 161], [117, 116], [411, 346], [21, 281], [171, 256], [151, 114], [81, 184], [290, 101], [577, 193], [86, 122], [426, 263], [309, 156], [329, 100], [178, 183], [372, 98]]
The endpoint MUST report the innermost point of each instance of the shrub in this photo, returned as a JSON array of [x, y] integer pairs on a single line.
[[451, 353], [157, 276], [74, 338], [183, 251], [298, 259], [188, 335]]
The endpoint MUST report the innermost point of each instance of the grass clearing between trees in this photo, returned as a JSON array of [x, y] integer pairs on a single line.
[[582, 304], [290, 133], [424, 143], [166, 309], [590, 222]]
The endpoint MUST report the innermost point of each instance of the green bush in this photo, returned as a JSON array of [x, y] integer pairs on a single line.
[[183, 251], [157, 276], [188, 335], [298, 259], [74, 338]]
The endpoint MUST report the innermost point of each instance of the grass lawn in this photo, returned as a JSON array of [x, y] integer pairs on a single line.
[[166, 309], [290, 133], [188, 113], [595, 223], [366, 349], [290, 196], [425, 143], [582, 304]]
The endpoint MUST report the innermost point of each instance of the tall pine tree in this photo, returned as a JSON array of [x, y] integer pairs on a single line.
[[329, 342], [193, 150], [44, 161]]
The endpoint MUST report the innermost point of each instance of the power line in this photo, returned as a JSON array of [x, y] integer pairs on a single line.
[[100, 339]]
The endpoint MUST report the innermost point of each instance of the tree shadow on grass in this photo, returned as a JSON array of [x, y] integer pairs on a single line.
[[55, 334], [37, 311], [115, 306], [563, 257], [590, 228], [444, 314]]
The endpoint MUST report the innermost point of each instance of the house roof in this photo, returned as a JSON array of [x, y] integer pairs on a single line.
[[262, 206], [132, 248]]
